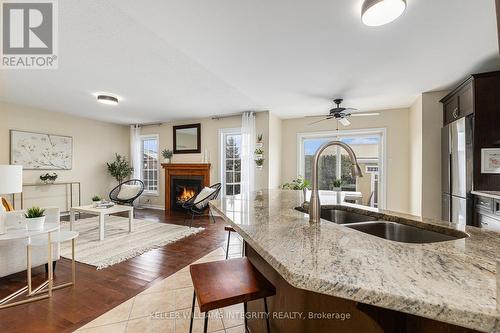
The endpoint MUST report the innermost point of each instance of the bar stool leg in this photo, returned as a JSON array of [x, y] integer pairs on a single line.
[[192, 313], [205, 325], [267, 315], [245, 314], [228, 239]]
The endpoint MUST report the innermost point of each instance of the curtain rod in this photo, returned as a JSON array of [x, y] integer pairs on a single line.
[[233, 115]]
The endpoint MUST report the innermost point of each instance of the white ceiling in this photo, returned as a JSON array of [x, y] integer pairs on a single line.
[[180, 59]]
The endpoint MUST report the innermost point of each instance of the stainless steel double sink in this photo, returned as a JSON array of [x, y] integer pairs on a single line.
[[393, 231]]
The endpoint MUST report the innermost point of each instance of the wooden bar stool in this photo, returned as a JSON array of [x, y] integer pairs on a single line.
[[224, 283], [229, 230]]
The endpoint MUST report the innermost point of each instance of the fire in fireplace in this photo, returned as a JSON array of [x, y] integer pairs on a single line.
[[185, 193], [183, 188]]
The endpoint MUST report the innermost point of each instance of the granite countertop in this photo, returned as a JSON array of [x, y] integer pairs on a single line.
[[489, 194], [452, 281]]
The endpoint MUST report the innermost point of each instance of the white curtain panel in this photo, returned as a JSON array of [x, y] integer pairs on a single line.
[[135, 150], [247, 150]]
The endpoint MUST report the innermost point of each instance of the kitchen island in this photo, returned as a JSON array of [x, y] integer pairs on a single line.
[[332, 278]]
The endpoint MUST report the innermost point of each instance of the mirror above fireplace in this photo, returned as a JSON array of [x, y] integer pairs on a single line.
[[187, 139]]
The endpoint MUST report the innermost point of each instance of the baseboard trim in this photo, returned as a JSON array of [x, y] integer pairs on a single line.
[[157, 207]]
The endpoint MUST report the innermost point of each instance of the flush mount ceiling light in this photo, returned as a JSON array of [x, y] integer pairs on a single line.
[[107, 99], [379, 12]]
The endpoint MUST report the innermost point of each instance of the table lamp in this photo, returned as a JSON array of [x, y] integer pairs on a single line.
[[11, 181]]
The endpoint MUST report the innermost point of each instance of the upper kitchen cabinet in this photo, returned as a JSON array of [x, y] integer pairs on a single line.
[[478, 96], [460, 102]]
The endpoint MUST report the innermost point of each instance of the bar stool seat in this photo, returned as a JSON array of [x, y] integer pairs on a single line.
[[224, 283]]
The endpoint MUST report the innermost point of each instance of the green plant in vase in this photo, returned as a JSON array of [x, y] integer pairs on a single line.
[[300, 183], [35, 218], [259, 163], [167, 155], [120, 169]]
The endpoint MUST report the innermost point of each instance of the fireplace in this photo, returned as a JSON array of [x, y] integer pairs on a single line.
[[182, 180], [183, 188]]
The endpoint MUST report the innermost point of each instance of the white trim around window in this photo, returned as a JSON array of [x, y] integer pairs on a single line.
[[158, 164], [382, 132], [222, 149]]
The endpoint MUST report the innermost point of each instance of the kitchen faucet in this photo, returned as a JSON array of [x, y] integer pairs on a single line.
[[314, 204]]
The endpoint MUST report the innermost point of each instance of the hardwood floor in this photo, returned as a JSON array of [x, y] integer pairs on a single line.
[[96, 292]]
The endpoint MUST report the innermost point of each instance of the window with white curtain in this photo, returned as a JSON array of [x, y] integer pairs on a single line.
[[150, 164], [230, 160]]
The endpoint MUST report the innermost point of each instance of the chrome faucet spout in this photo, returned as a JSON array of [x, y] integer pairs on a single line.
[[314, 202]]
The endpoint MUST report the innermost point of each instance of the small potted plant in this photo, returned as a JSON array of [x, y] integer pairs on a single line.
[[35, 218], [96, 200], [337, 188], [48, 178], [258, 153], [300, 183], [259, 143], [259, 163], [167, 155]]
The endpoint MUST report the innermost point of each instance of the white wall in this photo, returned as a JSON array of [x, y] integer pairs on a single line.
[[396, 123], [94, 144], [415, 156], [426, 121], [275, 150], [209, 141]]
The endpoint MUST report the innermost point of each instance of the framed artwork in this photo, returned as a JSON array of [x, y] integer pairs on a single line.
[[40, 151], [490, 160], [187, 139]]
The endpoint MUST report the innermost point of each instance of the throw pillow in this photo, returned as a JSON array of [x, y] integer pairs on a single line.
[[204, 194], [128, 191]]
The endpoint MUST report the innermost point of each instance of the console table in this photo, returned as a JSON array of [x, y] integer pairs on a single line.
[[70, 184]]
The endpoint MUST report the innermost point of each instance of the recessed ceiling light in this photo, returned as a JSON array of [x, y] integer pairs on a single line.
[[380, 12], [107, 99]]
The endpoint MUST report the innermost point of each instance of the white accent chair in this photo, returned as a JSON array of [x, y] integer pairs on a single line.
[[13, 253]]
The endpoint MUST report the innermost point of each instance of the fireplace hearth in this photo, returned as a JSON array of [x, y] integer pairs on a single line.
[[182, 181]]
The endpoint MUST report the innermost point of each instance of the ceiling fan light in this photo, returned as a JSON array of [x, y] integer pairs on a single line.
[[379, 12]]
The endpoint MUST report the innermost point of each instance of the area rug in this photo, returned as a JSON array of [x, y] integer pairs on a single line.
[[120, 245]]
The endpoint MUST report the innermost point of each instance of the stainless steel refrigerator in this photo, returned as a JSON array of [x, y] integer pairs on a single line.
[[457, 149]]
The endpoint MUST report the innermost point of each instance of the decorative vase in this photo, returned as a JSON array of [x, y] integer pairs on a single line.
[[35, 223], [167, 160], [338, 195], [304, 192], [96, 203]]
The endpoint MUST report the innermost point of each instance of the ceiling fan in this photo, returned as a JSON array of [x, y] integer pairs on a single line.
[[341, 114]]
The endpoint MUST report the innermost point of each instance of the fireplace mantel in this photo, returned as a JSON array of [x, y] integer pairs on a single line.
[[183, 169]]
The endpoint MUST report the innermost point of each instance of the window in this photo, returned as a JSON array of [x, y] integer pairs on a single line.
[[230, 160], [150, 163], [334, 163]]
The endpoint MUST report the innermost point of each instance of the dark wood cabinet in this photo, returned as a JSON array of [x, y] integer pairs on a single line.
[[487, 213], [479, 97], [459, 103]]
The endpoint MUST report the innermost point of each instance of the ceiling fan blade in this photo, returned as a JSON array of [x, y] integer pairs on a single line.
[[344, 121], [350, 110], [365, 114], [318, 115], [315, 122]]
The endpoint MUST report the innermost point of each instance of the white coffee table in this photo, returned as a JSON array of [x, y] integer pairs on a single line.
[[101, 212]]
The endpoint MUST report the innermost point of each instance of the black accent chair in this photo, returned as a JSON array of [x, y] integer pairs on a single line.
[[113, 195], [198, 208]]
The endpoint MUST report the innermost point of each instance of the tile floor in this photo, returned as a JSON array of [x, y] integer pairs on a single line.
[[166, 306]]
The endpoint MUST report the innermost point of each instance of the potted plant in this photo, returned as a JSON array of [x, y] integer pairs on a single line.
[[167, 155], [96, 200], [337, 187], [259, 163], [120, 168], [300, 183], [35, 218], [258, 153], [48, 178], [259, 143]]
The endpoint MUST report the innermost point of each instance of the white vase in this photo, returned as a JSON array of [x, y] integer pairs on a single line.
[[35, 223], [96, 203], [338, 195]]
